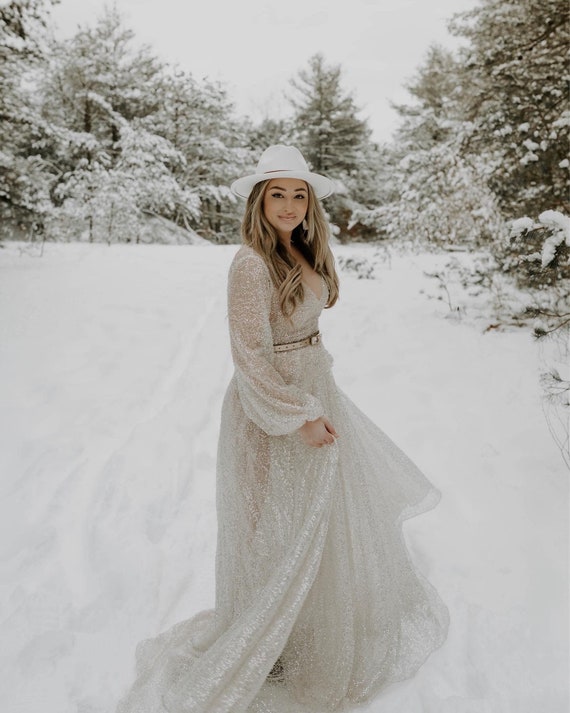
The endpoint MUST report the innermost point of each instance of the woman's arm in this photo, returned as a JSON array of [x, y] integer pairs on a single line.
[[276, 407]]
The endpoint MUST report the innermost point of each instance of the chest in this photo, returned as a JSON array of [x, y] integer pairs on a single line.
[[311, 278]]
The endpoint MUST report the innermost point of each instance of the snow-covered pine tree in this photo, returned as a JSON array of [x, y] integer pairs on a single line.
[[25, 174], [517, 60], [99, 90], [516, 69], [327, 128], [198, 119], [101, 68], [439, 194], [334, 140], [109, 201], [268, 132]]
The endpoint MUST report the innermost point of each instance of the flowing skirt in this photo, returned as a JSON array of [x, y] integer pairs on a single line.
[[312, 571]]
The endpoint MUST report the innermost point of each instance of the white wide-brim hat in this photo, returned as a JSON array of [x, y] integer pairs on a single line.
[[281, 161]]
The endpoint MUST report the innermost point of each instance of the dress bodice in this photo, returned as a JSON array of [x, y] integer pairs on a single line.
[[276, 389], [299, 367], [305, 319]]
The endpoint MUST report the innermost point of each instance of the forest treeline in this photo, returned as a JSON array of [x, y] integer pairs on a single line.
[[97, 133]]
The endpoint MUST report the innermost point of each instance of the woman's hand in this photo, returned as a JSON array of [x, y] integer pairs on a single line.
[[318, 433]]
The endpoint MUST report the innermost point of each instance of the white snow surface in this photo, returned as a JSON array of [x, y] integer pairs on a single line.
[[113, 364]]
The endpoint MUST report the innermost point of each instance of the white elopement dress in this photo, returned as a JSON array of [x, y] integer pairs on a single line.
[[311, 563]]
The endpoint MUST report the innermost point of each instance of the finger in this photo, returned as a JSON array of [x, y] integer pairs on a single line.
[[330, 428]]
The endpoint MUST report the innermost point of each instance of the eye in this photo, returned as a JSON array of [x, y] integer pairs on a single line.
[[277, 195], [301, 196]]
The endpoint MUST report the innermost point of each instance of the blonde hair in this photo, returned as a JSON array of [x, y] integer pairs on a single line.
[[286, 273]]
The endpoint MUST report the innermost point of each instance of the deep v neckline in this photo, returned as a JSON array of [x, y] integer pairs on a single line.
[[304, 282], [317, 297]]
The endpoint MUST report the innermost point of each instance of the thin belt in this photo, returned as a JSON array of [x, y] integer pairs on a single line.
[[313, 339]]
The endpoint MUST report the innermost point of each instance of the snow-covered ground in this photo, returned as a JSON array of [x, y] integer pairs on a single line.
[[113, 365]]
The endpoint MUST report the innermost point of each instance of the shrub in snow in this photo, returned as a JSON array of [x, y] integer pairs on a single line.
[[361, 267], [441, 200], [538, 252]]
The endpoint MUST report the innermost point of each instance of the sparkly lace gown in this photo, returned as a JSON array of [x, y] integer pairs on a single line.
[[311, 566]]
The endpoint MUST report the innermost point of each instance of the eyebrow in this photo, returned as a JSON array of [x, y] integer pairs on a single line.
[[295, 190]]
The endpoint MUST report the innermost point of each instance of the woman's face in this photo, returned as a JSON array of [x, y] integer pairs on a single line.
[[285, 204]]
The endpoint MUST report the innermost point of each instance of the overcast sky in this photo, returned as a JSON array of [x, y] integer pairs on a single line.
[[255, 46]]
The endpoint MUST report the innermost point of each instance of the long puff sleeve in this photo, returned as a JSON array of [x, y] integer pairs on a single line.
[[276, 407]]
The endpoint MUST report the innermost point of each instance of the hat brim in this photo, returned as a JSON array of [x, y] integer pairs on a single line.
[[322, 185]]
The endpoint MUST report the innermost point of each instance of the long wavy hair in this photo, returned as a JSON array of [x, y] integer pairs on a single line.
[[313, 243]]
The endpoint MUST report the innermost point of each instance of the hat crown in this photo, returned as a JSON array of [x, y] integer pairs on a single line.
[[281, 158]]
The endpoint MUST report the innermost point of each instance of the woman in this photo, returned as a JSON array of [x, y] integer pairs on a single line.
[[318, 606]]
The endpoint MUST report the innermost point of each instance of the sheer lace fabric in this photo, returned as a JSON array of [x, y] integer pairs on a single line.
[[311, 565]]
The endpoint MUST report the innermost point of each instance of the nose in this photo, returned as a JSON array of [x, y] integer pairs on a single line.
[[289, 205]]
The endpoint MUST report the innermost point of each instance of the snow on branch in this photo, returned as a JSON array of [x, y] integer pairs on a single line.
[[553, 226]]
